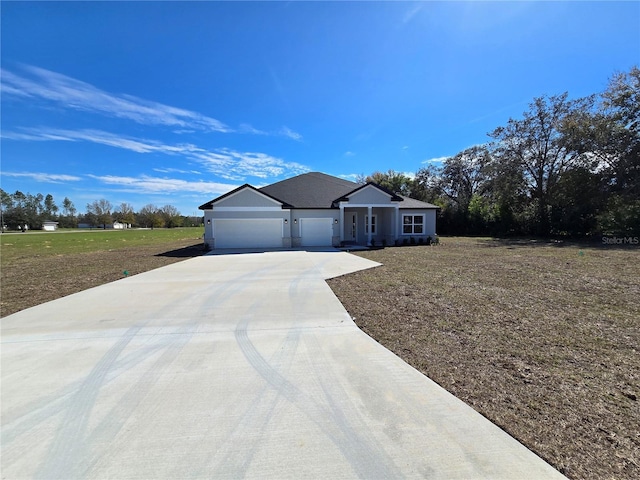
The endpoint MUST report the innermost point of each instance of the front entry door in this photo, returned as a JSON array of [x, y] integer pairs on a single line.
[[352, 227]]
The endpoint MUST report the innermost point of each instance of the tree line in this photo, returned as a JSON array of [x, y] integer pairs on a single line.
[[20, 211], [567, 167]]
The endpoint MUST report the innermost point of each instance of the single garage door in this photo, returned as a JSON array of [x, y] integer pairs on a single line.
[[316, 232], [248, 233]]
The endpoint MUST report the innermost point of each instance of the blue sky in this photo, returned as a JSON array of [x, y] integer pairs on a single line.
[[177, 103]]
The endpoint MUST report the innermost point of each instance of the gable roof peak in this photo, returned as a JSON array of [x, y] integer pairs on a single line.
[[310, 190]]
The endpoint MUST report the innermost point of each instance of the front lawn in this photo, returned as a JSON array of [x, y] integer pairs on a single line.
[[37, 267], [541, 338]]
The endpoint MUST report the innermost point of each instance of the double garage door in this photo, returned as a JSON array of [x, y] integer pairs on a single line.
[[248, 233], [268, 232]]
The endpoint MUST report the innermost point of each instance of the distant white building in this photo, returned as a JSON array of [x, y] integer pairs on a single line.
[[49, 226]]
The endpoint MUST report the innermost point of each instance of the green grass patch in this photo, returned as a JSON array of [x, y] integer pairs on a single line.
[[17, 245]]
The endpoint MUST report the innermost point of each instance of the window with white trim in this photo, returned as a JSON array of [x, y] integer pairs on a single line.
[[374, 221], [412, 224]]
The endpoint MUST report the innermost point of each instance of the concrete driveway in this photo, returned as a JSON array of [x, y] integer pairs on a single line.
[[230, 366]]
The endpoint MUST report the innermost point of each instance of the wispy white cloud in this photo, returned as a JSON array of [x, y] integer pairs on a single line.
[[283, 132], [101, 137], [145, 184], [37, 83], [225, 162], [349, 154], [287, 132], [279, 87], [35, 135], [353, 177], [34, 83], [177, 170], [247, 128], [234, 165], [408, 16], [44, 177]]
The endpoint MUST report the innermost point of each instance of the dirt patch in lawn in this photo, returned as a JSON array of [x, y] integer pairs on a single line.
[[541, 338], [30, 280]]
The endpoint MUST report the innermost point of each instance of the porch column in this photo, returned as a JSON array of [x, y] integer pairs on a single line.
[[397, 223], [369, 210], [341, 225]]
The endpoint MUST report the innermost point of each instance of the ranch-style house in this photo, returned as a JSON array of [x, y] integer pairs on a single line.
[[315, 210]]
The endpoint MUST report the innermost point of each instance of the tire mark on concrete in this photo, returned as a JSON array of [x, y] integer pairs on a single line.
[[68, 440], [245, 436], [357, 444], [79, 399], [25, 418], [38, 411], [240, 447], [367, 459], [117, 417], [365, 454], [356, 449]]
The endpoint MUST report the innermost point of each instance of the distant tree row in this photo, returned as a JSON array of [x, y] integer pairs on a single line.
[[19, 211], [567, 167]]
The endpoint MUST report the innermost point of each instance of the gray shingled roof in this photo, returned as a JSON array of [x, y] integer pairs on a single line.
[[315, 190], [310, 190], [408, 202]]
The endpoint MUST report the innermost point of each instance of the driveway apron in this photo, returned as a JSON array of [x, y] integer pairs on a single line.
[[230, 366]]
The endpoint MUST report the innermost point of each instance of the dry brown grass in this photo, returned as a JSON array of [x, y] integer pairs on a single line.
[[541, 338]]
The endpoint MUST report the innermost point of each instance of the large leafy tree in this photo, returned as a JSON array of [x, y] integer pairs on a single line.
[[507, 193], [537, 146], [456, 185], [426, 185], [393, 181], [566, 167], [608, 138], [100, 212], [579, 198], [621, 107], [124, 213], [464, 175], [170, 216], [150, 216]]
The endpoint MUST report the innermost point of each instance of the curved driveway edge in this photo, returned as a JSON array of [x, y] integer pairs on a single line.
[[230, 366]]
